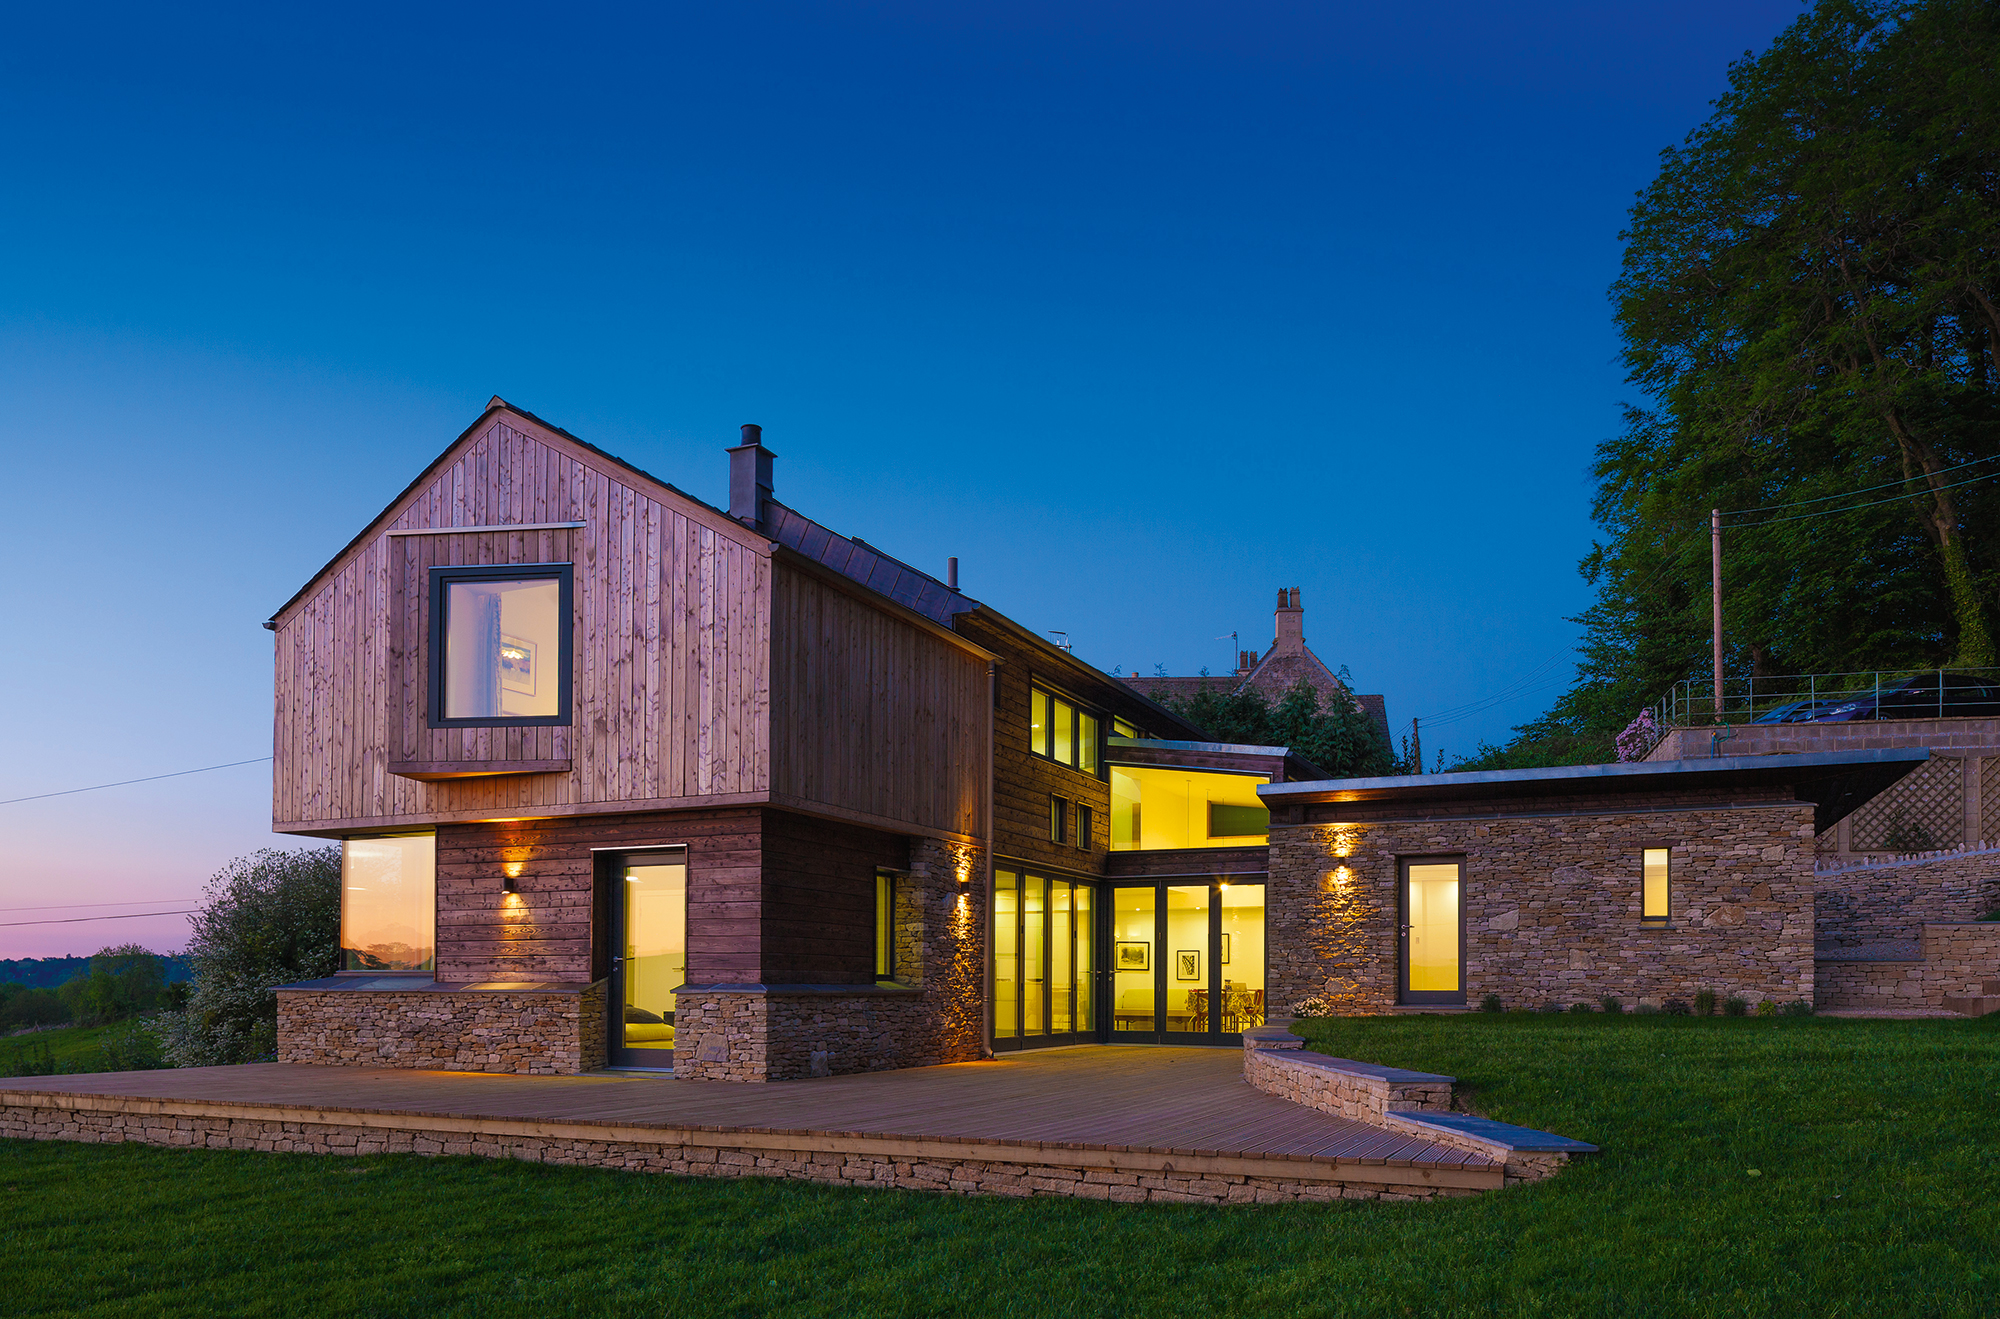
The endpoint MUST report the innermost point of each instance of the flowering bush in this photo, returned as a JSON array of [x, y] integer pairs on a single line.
[[1316, 1006], [1640, 736]]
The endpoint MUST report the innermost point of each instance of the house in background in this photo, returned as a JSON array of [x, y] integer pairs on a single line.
[[621, 777]]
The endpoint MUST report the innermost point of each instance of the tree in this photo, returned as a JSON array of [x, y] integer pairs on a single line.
[[1810, 299], [123, 981], [1337, 736], [269, 919]]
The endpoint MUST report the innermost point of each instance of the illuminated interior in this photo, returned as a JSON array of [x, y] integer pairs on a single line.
[[1133, 935], [1062, 732], [1654, 901], [388, 903], [655, 952], [1241, 957], [1433, 917], [1156, 808], [1042, 956], [502, 649]]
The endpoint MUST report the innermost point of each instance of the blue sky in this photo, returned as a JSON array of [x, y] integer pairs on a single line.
[[1142, 311]]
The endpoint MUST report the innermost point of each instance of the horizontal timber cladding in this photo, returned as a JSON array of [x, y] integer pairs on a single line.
[[1607, 803], [1551, 906], [670, 650], [553, 926], [870, 712], [1165, 862], [818, 910]]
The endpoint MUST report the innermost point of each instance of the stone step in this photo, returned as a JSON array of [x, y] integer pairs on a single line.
[[1974, 1006]]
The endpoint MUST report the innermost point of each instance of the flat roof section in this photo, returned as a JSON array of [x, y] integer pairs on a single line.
[[1835, 782]]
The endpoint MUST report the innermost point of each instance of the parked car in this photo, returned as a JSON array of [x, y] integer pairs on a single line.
[[1793, 712], [1964, 697]]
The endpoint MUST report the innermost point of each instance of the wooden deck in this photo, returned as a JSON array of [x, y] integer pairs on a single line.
[[1123, 1107]]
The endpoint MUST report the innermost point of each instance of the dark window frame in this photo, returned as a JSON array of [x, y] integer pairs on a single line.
[[1405, 996], [441, 578], [1058, 819], [1656, 922], [1082, 824], [1045, 751]]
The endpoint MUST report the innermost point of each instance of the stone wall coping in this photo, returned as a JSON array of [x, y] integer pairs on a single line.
[[1272, 1037], [798, 1138], [408, 984], [1503, 1137], [1370, 1071], [805, 990]]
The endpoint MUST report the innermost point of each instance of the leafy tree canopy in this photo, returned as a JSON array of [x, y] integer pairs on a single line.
[[1810, 301], [1335, 735]]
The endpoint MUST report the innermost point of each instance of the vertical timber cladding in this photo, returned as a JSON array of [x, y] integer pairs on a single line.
[[671, 647], [1551, 903]]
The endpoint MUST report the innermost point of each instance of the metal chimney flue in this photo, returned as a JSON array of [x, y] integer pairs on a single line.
[[951, 573], [750, 478]]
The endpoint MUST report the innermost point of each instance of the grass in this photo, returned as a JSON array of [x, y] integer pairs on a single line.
[[1751, 1167], [68, 1048]]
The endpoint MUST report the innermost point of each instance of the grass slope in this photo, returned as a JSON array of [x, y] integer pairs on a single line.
[[78, 1048], [1877, 1192]]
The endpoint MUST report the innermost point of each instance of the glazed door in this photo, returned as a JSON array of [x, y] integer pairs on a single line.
[[1433, 931], [1185, 962], [648, 956]]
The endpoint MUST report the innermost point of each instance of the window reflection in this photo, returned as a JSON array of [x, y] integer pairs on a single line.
[[502, 648], [388, 903]]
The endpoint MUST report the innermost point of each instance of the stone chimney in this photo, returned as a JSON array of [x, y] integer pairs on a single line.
[[750, 478], [1291, 634]]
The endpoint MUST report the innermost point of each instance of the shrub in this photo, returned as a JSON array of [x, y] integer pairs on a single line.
[[1551, 1008], [1316, 1006], [1611, 1004], [1581, 1007], [34, 1060], [1648, 1009], [1798, 1007], [270, 918], [1766, 1008], [1491, 1003], [1677, 1007], [1704, 1003], [1735, 1007]]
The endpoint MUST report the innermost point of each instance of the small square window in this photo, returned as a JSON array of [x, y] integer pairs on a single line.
[[1653, 899], [499, 646]]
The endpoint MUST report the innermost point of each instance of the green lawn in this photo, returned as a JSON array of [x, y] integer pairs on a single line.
[[70, 1048], [1751, 1167]]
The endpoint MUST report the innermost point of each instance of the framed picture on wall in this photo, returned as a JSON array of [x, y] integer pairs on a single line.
[[1225, 948], [517, 665], [1187, 964], [1132, 955]]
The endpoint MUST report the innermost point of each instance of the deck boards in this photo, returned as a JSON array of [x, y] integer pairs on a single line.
[[1166, 1100]]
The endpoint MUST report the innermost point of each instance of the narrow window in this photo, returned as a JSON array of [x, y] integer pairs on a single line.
[[1064, 750], [499, 645], [1038, 722], [1120, 728], [388, 903], [1086, 742], [1083, 839], [1654, 901], [1006, 954], [885, 925], [1058, 820]]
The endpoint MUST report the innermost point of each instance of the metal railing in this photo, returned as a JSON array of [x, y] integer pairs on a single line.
[[1909, 693]]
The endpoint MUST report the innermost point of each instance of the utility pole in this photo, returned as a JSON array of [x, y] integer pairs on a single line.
[[1715, 596], [1417, 746]]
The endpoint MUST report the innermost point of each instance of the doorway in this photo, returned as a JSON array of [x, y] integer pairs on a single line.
[[648, 920], [1433, 930], [1184, 962]]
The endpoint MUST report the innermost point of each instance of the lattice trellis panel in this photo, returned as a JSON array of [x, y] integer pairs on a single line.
[[1923, 811], [1989, 798]]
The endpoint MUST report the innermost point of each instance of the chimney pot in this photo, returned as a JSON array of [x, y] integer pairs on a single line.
[[951, 572], [752, 433]]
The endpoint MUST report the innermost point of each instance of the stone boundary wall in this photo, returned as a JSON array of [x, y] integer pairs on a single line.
[[759, 1035], [1357, 1091], [534, 1034], [965, 1167], [1856, 905], [1958, 960], [1521, 1165]]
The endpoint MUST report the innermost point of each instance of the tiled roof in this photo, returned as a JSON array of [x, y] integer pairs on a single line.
[[862, 562]]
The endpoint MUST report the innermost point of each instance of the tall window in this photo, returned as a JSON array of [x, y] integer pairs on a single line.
[[1059, 731], [1042, 957], [500, 641], [1653, 902], [388, 903], [885, 925]]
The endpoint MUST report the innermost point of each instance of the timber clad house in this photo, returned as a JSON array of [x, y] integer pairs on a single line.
[[621, 778]]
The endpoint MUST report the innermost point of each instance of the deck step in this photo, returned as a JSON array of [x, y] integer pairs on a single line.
[[1974, 1005], [1503, 1137]]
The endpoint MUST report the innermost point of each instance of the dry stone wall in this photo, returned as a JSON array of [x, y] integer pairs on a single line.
[[537, 1034], [1552, 906], [1956, 961], [1866, 904]]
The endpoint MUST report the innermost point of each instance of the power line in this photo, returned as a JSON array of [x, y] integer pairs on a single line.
[[72, 906], [1873, 503], [1821, 499], [72, 920], [151, 778]]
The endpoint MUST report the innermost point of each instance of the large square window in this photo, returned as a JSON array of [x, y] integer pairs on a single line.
[[500, 642], [388, 903]]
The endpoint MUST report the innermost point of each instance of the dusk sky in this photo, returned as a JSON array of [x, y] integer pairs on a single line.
[[1142, 311]]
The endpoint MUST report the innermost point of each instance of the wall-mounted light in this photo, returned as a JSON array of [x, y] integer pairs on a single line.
[[509, 872]]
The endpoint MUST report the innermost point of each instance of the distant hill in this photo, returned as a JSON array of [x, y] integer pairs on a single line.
[[48, 972]]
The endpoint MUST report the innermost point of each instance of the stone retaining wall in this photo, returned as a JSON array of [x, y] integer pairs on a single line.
[[1957, 961], [1865, 904], [975, 1168], [537, 1034], [1358, 1091]]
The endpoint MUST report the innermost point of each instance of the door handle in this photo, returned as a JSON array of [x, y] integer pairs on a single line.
[[1406, 928]]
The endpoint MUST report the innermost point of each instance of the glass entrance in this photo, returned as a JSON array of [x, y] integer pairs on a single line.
[[1433, 946], [649, 956], [1044, 981], [1186, 962]]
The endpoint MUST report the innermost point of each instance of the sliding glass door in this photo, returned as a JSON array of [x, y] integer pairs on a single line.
[[1186, 961], [1044, 981]]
